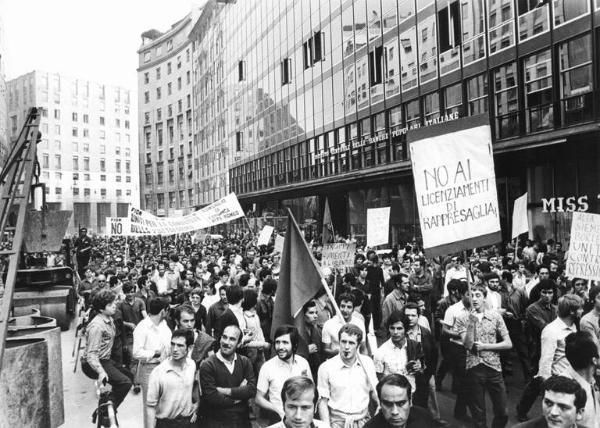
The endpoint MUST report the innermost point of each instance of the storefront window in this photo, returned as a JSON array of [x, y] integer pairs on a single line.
[[539, 112], [576, 83], [501, 23], [408, 58], [473, 31], [507, 101], [533, 18], [477, 94], [453, 99], [566, 10]]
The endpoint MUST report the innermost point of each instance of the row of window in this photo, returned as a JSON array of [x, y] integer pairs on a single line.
[[159, 117], [172, 197], [169, 90], [158, 50], [86, 163], [87, 192], [171, 153], [56, 113], [169, 70], [549, 89]]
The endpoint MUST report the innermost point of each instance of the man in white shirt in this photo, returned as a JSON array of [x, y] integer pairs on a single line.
[[298, 398], [331, 328], [346, 382], [456, 270], [285, 364], [582, 354], [151, 344], [169, 401], [552, 359]]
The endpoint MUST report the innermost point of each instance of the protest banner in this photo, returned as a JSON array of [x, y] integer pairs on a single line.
[[117, 226], [279, 241], [265, 235], [221, 211], [378, 226], [583, 257], [455, 186], [338, 255], [520, 221]]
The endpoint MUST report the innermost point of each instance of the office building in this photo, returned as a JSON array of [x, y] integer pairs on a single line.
[[320, 97], [88, 152], [165, 120]]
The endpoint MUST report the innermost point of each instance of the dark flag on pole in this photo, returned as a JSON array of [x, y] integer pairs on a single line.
[[328, 233], [299, 281]]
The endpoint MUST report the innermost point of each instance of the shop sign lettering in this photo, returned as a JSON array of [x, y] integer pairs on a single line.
[[562, 204], [383, 137]]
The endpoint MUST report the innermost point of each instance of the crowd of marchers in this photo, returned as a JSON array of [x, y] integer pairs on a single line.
[[188, 324]]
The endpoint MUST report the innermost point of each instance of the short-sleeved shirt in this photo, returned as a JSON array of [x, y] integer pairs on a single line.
[[389, 359], [275, 372], [454, 312], [488, 329], [347, 387], [332, 328], [170, 389]]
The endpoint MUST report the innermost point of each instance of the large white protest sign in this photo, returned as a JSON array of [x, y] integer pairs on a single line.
[[455, 188], [338, 255], [520, 222], [378, 226], [117, 226], [265, 235], [583, 257], [222, 211]]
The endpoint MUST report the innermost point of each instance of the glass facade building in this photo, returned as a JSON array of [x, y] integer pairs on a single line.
[[299, 100]]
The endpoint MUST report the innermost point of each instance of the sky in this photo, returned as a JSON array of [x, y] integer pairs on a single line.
[[93, 40]]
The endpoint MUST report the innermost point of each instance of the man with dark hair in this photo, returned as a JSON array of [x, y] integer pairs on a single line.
[[484, 335], [298, 397], [399, 354], [203, 343], [228, 382], [346, 382], [563, 405], [83, 250], [375, 280], [151, 344], [169, 399], [552, 358], [312, 348], [397, 411], [537, 315], [332, 326], [265, 306], [421, 281], [590, 322], [100, 333], [286, 363], [396, 300], [233, 315], [582, 353], [216, 310]]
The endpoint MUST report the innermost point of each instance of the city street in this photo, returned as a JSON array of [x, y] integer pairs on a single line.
[[80, 396]]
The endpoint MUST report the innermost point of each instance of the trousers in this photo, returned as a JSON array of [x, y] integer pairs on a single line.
[[117, 377], [480, 379]]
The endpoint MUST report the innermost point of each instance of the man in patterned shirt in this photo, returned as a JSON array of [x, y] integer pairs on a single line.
[[484, 335]]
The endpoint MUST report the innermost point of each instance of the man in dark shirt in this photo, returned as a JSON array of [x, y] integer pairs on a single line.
[[83, 248], [376, 281], [394, 392]]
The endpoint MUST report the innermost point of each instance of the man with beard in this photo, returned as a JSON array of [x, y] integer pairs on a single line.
[[553, 360], [169, 402], [286, 363], [346, 382], [228, 382]]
